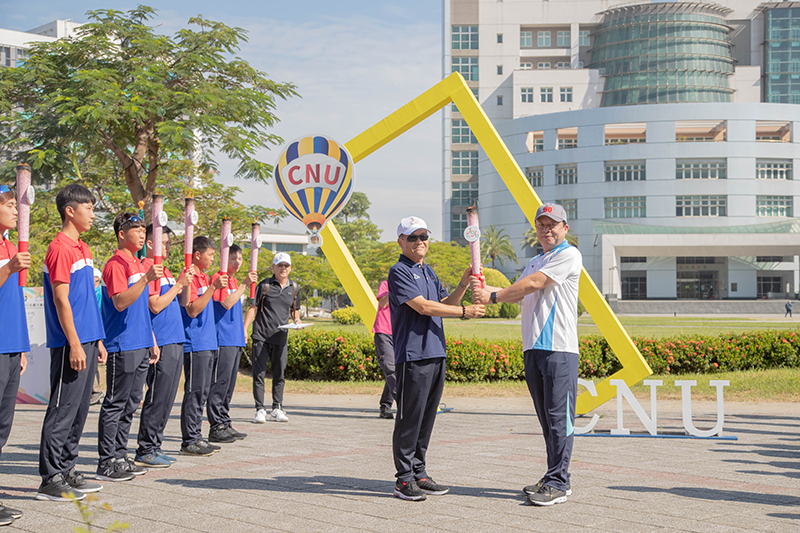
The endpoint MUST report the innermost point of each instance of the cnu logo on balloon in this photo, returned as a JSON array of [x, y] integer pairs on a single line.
[[314, 179]]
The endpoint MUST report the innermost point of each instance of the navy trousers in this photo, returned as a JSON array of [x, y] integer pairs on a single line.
[[197, 368], [126, 373], [226, 369], [552, 379], [9, 385], [70, 392], [276, 356], [162, 386], [384, 349], [419, 389]]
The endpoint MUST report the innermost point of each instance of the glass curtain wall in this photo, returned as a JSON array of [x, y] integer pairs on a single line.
[[782, 73]]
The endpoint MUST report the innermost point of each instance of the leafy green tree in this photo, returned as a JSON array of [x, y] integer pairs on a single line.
[[121, 91], [497, 245], [531, 240], [358, 232]]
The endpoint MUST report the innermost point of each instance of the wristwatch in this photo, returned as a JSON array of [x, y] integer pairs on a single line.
[[493, 297]]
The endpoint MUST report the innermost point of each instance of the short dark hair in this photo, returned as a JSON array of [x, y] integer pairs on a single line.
[[149, 231], [72, 196], [235, 249], [127, 220], [201, 244], [8, 195]]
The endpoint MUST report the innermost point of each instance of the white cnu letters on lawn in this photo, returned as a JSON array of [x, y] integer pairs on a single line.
[[651, 422]]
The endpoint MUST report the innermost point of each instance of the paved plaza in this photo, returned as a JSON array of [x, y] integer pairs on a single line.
[[330, 469]]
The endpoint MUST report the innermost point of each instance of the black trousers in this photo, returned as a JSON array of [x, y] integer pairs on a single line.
[[9, 385], [126, 373], [162, 386], [552, 379], [70, 393], [275, 355], [226, 369], [384, 349], [197, 368], [419, 389]]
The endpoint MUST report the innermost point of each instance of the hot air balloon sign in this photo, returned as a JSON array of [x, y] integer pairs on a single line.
[[314, 179]]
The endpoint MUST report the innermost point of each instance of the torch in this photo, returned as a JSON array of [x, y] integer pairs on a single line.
[[473, 236], [225, 249], [159, 221], [255, 244], [189, 220], [25, 197]]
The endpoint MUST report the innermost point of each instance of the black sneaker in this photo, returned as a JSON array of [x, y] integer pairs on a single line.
[[53, 490], [531, 489], [196, 448], [13, 513], [386, 413], [238, 435], [214, 449], [429, 486], [408, 490], [6, 519], [113, 470], [77, 481], [221, 435], [131, 467], [547, 495], [97, 398]]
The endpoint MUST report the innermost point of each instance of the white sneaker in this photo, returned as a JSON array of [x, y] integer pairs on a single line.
[[278, 415], [261, 417]]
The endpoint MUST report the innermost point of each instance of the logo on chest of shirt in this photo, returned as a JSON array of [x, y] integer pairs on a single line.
[[416, 277]]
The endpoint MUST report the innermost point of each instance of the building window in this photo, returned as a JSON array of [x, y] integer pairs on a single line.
[[583, 38], [535, 176], [634, 287], [546, 94], [535, 142], [545, 65], [499, 38], [705, 169], [770, 259], [499, 70], [465, 163], [571, 207], [525, 39], [701, 206], [461, 134], [768, 284], [566, 143], [562, 39], [774, 206], [625, 171], [695, 260], [774, 170], [566, 94], [499, 99], [626, 207], [566, 174], [527, 95], [465, 37], [283, 247], [543, 40], [467, 66], [526, 66], [562, 64], [633, 260], [458, 223], [464, 194], [474, 93]]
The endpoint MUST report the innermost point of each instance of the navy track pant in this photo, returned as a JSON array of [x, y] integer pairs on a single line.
[[276, 356], [384, 349], [552, 379], [162, 386], [197, 368], [223, 382], [70, 392], [9, 385]]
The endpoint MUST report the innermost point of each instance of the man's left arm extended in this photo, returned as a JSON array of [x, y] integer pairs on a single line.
[[513, 294]]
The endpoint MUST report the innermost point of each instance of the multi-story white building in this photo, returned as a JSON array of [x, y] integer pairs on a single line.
[[669, 131], [14, 43]]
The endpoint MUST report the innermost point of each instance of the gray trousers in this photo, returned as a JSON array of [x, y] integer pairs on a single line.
[[419, 389], [197, 368], [552, 379], [126, 373], [226, 369], [275, 355], [162, 385], [384, 349], [70, 393], [9, 385]]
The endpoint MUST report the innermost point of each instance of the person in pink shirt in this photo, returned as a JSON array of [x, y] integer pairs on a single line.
[[384, 349]]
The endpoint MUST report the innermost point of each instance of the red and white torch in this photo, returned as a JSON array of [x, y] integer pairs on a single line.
[[25, 198], [225, 244], [473, 236], [159, 221], [189, 220], [255, 244]]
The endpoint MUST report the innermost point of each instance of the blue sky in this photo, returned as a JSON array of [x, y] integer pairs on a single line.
[[354, 63]]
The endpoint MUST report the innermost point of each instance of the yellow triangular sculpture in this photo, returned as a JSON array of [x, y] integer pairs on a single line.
[[454, 89]]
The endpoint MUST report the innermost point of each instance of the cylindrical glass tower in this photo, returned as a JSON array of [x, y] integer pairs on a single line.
[[664, 52]]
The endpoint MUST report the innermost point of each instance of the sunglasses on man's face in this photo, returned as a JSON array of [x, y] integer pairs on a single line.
[[413, 238]]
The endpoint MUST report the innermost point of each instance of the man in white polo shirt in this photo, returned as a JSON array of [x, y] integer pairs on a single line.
[[549, 290]]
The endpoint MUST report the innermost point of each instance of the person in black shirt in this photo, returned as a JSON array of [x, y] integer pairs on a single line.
[[275, 303]]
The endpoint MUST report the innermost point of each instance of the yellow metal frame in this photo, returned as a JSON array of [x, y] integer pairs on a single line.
[[454, 89]]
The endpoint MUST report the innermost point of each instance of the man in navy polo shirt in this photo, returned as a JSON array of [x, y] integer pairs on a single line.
[[417, 301], [130, 343]]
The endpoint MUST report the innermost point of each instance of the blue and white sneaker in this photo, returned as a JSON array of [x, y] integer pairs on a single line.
[[152, 460], [169, 458]]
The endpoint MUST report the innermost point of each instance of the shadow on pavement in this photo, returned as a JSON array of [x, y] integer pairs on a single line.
[[703, 493], [790, 516]]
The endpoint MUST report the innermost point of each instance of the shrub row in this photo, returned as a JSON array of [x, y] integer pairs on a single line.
[[340, 356]]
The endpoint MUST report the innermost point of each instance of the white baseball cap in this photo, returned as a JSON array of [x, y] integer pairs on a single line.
[[97, 273], [411, 224], [282, 257]]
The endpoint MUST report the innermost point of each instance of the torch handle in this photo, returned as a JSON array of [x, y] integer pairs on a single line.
[[475, 246], [23, 274], [24, 197], [254, 244]]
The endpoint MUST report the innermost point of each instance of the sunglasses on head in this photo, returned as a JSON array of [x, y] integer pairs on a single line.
[[130, 219], [4, 189], [413, 238]]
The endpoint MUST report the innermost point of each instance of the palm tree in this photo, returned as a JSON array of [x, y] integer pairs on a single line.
[[497, 246], [530, 240]]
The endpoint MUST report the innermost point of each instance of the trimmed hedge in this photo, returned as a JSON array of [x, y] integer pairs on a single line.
[[339, 356]]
